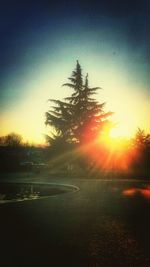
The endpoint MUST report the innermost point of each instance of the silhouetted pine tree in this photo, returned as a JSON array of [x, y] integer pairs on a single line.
[[59, 118], [79, 118], [88, 116]]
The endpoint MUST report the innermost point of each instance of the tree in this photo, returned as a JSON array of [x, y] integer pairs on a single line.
[[89, 115], [141, 140], [59, 118], [79, 118], [11, 140], [141, 145]]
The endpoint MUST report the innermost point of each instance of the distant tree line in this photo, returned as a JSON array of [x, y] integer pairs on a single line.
[[11, 140], [15, 155], [11, 152]]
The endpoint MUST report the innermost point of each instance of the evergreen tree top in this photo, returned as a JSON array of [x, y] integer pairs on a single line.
[[79, 116]]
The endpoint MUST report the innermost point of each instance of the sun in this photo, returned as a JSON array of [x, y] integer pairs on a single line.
[[115, 137], [113, 146], [119, 132]]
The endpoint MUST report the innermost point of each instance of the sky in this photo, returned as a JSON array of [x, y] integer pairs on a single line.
[[40, 43]]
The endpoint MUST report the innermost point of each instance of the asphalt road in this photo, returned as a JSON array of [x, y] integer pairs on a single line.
[[99, 225]]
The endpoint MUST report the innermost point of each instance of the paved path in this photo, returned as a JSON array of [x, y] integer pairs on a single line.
[[96, 226]]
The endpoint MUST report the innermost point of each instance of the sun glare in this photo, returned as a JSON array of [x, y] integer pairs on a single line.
[[119, 132], [112, 146]]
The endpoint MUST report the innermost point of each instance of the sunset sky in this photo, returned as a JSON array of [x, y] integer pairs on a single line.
[[40, 43]]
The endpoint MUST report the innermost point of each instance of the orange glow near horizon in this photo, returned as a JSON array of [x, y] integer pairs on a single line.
[[110, 153]]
